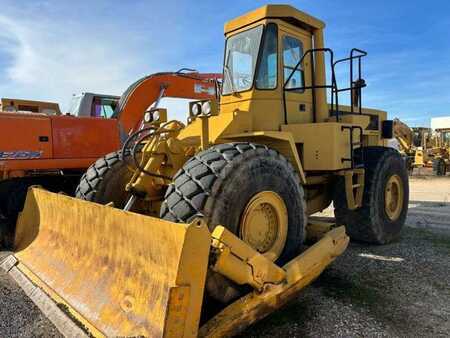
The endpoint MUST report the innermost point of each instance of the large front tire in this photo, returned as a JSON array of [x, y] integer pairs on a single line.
[[382, 215], [233, 185]]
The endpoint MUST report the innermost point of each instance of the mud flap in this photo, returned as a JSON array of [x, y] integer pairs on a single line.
[[98, 271]]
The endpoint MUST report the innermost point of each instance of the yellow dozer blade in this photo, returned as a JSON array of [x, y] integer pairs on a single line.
[[99, 271], [114, 273]]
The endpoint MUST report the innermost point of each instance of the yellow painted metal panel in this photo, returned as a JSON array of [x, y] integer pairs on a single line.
[[285, 12], [324, 144]]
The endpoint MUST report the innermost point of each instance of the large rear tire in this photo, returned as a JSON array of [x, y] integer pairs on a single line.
[[233, 185], [386, 194], [105, 180]]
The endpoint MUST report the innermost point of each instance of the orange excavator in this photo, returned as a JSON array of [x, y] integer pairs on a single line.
[[54, 150]]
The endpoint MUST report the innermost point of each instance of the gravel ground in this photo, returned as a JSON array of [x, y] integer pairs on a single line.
[[19, 317], [396, 290]]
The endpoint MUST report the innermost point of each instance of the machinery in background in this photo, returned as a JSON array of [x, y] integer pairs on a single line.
[[423, 147], [53, 150], [441, 151], [411, 144], [29, 106], [93, 105]]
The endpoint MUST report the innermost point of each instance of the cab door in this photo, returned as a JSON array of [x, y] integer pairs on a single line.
[[293, 43]]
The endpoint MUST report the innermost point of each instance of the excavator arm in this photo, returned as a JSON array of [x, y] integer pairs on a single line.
[[404, 135], [146, 91]]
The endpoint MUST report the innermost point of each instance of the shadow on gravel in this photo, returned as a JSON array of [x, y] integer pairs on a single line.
[[438, 240], [429, 204], [368, 295]]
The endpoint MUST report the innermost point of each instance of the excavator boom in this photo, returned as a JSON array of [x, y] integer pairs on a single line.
[[146, 91]]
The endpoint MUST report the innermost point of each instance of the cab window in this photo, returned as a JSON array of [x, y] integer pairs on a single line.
[[241, 53], [292, 53], [103, 107], [267, 74]]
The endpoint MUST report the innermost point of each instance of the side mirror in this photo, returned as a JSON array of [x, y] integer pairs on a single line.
[[356, 91], [387, 128]]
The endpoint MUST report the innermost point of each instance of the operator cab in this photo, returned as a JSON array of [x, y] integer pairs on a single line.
[[275, 61], [93, 105]]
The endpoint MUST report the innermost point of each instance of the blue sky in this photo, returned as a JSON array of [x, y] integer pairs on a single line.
[[52, 49]]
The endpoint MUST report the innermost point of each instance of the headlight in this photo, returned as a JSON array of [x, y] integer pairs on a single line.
[[148, 117], [196, 109], [155, 115], [151, 116], [206, 108]]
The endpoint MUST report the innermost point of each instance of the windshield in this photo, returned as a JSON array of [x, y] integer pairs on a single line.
[[241, 53]]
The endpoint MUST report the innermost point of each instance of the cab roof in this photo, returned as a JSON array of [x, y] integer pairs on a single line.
[[283, 12]]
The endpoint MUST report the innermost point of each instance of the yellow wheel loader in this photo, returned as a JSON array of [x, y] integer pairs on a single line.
[[421, 147], [441, 152], [199, 229]]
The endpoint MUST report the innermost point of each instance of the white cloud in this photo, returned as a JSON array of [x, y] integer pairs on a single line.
[[51, 59]]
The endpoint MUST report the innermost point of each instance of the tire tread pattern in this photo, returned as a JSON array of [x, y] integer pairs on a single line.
[[90, 181]]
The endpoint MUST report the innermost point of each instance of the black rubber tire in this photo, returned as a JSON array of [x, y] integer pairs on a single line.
[[12, 198], [439, 167], [369, 223], [409, 164], [105, 181], [218, 183]]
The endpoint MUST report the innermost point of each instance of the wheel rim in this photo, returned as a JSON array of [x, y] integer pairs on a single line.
[[264, 224], [393, 197]]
